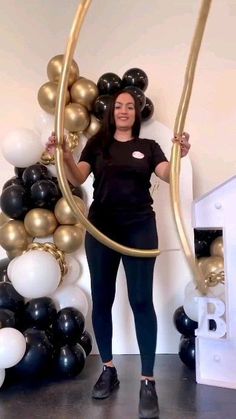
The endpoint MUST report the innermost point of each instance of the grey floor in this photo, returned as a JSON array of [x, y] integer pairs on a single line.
[[179, 395]]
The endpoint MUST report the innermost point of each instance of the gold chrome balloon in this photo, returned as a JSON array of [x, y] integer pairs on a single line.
[[54, 69], [85, 92], [3, 218], [213, 264], [77, 117], [217, 247], [93, 127], [13, 236], [40, 222], [63, 212], [47, 96], [68, 238], [14, 253], [59, 129]]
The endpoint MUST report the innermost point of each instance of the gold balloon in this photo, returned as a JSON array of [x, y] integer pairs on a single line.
[[93, 127], [13, 236], [213, 264], [63, 212], [54, 69], [47, 96], [85, 92], [14, 253], [68, 238], [77, 117], [3, 218], [201, 261], [40, 222], [217, 247]]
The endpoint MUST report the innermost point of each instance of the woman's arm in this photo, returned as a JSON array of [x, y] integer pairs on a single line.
[[162, 170]]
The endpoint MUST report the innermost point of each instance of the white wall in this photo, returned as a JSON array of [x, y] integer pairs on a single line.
[[154, 35]]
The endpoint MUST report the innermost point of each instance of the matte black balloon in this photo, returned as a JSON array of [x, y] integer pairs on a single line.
[[101, 105], [86, 342], [9, 298], [34, 173], [69, 325], [37, 360], [44, 194], [135, 77], [109, 83], [139, 95], [68, 362], [3, 270], [187, 351], [19, 171], [7, 318], [40, 312], [202, 248], [183, 323], [148, 110], [13, 181], [15, 202]]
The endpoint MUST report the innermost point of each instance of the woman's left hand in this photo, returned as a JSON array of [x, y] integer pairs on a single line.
[[183, 141]]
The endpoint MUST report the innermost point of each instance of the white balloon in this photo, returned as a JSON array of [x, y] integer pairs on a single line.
[[47, 239], [44, 120], [46, 132], [70, 296], [74, 270], [2, 377], [22, 147], [191, 304], [34, 274], [12, 347], [191, 286]]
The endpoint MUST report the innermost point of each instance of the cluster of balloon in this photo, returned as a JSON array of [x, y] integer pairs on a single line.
[[40, 337], [81, 94], [134, 80]]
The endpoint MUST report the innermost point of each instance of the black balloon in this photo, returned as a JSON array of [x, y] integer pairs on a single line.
[[3, 270], [9, 298], [19, 171], [202, 248], [135, 77], [148, 110], [100, 105], [139, 95], [81, 356], [40, 312], [44, 194], [109, 83], [13, 181], [37, 360], [7, 318], [183, 323], [68, 361], [15, 201], [69, 325], [34, 173], [86, 342], [187, 351]]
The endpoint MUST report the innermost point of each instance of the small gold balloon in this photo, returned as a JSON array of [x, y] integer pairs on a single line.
[[85, 92], [46, 158], [217, 247], [68, 238], [63, 212], [54, 69], [3, 218], [73, 140], [93, 127], [47, 96], [13, 236], [40, 222], [77, 117], [213, 264]]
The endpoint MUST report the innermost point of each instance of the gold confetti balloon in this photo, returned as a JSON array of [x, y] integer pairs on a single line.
[[54, 69]]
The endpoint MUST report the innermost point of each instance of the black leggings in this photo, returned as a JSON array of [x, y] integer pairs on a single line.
[[103, 265]]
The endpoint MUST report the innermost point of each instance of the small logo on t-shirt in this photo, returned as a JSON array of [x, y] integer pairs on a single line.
[[138, 155]]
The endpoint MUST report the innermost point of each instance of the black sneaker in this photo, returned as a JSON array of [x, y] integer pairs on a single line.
[[148, 401], [106, 383]]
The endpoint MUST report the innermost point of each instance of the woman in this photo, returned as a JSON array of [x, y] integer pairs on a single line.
[[122, 165]]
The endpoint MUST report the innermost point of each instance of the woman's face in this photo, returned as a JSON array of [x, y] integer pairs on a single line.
[[124, 112]]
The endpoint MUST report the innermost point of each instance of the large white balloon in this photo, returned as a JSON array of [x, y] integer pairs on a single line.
[[34, 274], [70, 296], [44, 120], [191, 304], [2, 377], [12, 347], [22, 147], [74, 270]]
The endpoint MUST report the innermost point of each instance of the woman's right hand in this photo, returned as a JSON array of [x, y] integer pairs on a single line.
[[52, 144]]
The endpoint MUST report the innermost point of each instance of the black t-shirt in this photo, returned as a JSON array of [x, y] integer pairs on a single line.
[[122, 180]]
